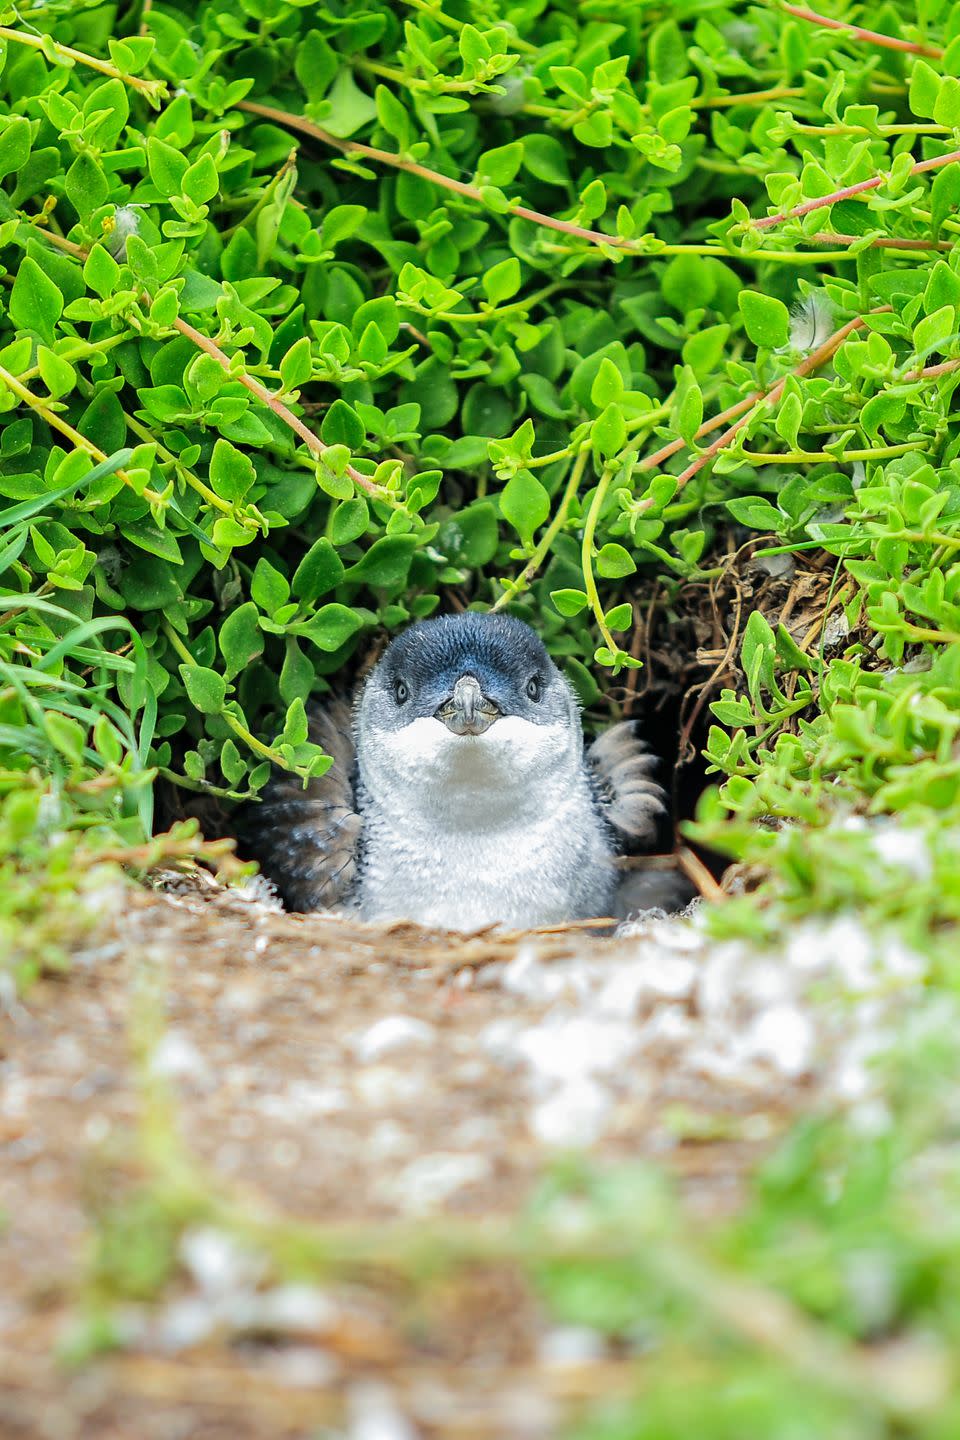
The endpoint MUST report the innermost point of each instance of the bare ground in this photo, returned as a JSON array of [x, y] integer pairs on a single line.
[[341, 1075]]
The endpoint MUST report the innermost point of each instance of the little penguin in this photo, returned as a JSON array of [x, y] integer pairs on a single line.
[[461, 793]]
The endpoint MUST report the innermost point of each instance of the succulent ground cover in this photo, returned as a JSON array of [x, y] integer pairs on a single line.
[[640, 321]]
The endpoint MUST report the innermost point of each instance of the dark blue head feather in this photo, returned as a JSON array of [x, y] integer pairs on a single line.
[[501, 652]]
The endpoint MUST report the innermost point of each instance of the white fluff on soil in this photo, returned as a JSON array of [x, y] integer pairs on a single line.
[[814, 1009]]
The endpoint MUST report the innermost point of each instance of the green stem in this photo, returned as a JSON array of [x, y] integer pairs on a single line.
[[654, 250], [935, 637], [749, 97], [57, 422], [265, 198], [417, 82], [639, 423], [539, 461], [522, 581], [806, 457], [946, 542], [83, 350], [435, 12], [586, 555], [201, 787], [153, 90], [476, 317], [949, 222], [235, 725], [195, 483], [876, 131], [642, 424]]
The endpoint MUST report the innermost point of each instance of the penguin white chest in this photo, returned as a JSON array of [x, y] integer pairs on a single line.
[[466, 831]]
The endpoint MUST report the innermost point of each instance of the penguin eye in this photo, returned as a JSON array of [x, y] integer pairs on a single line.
[[400, 692], [535, 687]]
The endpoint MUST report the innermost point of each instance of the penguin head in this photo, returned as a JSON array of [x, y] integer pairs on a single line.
[[467, 701]]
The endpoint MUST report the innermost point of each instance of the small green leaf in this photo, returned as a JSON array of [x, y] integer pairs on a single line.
[[231, 763], [269, 588], [500, 166], [14, 144], [36, 303], [240, 639], [788, 419], [609, 433], [56, 373], [946, 109], [688, 404], [65, 734], [168, 167], [342, 426], [924, 89], [340, 223], [766, 319], [297, 674], [607, 388], [524, 504], [569, 602], [101, 271], [200, 180], [620, 617], [386, 564], [295, 727], [935, 331], [502, 281], [789, 652], [231, 471], [331, 627], [755, 512], [613, 562], [296, 366], [546, 159], [206, 690], [350, 521], [318, 572], [688, 283], [392, 116]]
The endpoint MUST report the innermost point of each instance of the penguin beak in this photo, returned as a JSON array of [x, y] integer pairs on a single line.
[[468, 711]]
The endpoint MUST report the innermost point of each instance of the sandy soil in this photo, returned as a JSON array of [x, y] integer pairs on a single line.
[[329, 1072]]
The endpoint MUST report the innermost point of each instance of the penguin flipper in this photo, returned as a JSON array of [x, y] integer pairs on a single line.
[[307, 840], [630, 800]]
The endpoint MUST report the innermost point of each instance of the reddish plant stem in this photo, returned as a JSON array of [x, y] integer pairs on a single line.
[[857, 32], [825, 237], [654, 461], [313, 442], [566, 227], [931, 372], [874, 183], [698, 874], [751, 404], [447, 182]]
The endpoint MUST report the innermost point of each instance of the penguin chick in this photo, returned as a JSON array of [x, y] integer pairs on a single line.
[[462, 795]]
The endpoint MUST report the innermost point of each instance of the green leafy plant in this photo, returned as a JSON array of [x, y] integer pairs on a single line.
[[316, 323]]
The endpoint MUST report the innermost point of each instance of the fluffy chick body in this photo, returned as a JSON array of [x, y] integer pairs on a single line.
[[500, 828], [461, 794]]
